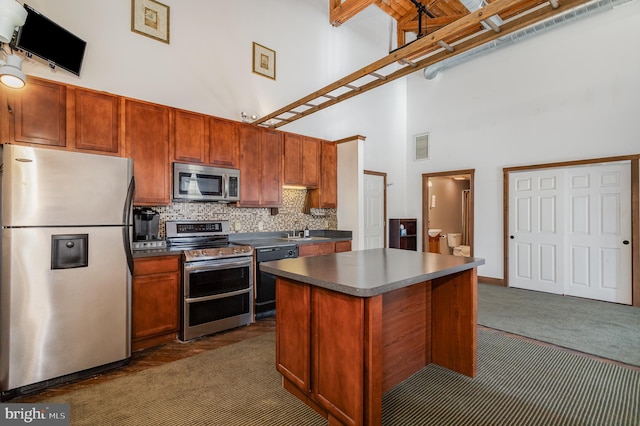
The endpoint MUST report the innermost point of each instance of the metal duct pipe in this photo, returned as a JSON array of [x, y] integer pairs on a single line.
[[574, 14]]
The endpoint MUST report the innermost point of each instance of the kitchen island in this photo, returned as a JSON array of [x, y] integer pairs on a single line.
[[351, 326]]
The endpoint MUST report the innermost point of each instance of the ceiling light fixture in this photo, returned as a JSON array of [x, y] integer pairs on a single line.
[[11, 74], [12, 15], [248, 118]]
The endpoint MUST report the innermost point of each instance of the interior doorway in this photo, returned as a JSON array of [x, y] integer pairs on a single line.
[[447, 208], [375, 209]]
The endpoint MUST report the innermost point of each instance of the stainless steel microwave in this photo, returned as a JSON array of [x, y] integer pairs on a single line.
[[193, 182]]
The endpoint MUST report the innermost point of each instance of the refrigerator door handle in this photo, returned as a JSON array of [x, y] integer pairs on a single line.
[[126, 230]]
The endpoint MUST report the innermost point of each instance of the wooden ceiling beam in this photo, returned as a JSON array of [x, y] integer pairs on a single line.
[[430, 41], [341, 11], [430, 22]]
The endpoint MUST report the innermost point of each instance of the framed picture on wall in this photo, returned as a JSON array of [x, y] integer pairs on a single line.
[[264, 61], [150, 18]]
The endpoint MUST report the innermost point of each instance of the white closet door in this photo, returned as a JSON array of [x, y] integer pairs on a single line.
[[536, 230], [599, 222], [570, 231]]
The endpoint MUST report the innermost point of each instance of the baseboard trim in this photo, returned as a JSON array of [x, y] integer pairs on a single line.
[[492, 281]]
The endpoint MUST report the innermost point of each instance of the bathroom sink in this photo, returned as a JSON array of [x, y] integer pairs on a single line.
[[302, 238], [434, 232]]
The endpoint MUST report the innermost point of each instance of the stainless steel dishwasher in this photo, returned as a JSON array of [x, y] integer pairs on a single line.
[[266, 283]]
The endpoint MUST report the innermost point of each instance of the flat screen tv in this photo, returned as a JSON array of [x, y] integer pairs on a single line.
[[42, 37]]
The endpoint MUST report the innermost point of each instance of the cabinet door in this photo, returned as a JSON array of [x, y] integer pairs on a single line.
[[224, 144], [342, 246], [293, 159], [293, 347], [146, 138], [190, 137], [40, 113], [329, 175], [155, 305], [326, 196], [93, 121], [311, 162], [271, 174], [315, 249], [250, 174]]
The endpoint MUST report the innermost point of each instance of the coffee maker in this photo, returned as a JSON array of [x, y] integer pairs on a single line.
[[146, 223]]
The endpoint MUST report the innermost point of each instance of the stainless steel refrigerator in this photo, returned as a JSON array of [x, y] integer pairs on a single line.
[[66, 266]]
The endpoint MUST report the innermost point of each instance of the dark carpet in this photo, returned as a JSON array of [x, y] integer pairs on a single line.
[[608, 330], [518, 383]]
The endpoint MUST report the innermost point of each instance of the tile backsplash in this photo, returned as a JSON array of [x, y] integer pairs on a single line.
[[243, 219]]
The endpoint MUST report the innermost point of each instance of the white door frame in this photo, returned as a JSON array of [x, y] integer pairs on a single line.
[[635, 213]]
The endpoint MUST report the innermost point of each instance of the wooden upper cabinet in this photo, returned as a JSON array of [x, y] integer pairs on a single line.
[[301, 160], [292, 159], [250, 160], [224, 145], [326, 196], [146, 139], [260, 167], [40, 113], [311, 162], [272, 146], [92, 121], [189, 136]]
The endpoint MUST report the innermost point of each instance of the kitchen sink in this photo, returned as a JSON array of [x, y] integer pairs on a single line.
[[303, 238]]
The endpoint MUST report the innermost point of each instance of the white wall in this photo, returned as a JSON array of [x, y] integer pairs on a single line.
[[569, 94]]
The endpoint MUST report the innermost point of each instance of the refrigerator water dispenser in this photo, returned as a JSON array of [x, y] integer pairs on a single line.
[[69, 251]]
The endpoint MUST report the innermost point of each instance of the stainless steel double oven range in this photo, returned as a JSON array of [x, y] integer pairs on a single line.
[[217, 277]]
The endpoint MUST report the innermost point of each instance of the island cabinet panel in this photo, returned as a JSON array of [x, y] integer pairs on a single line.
[[293, 346], [146, 138], [40, 113], [92, 123], [338, 368], [224, 145], [189, 136], [155, 308], [406, 333], [328, 349], [454, 338]]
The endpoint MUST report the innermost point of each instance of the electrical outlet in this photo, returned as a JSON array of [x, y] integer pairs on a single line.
[[237, 226], [260, 226]]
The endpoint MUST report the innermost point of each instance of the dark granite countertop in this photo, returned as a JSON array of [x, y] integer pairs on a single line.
[[367, 273], [269, 239], [261, 239]]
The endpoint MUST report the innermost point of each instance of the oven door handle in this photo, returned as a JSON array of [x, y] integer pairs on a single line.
[[204, 267], [216, 296]]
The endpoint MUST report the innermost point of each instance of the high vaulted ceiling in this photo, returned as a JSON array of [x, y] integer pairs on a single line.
[[428, 32]]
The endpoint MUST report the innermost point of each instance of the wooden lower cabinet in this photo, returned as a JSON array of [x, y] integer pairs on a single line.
[[155, 301], [323, 248]]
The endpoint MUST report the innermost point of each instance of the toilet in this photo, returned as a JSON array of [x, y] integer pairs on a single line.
[[454, 241]]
